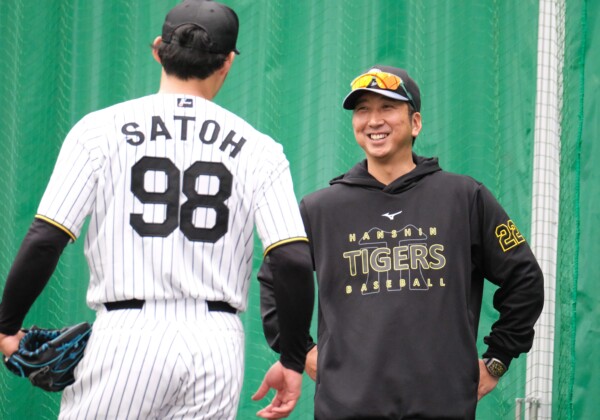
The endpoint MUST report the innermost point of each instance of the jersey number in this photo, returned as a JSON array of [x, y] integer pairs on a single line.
[[182, 216]]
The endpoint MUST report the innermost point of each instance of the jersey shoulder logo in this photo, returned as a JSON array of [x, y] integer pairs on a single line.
[[392, 215], [185, 102]]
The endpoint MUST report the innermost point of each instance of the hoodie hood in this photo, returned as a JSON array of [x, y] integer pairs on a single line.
[[359, 176]]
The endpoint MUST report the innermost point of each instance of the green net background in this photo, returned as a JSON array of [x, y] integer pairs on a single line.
[[576, 370], [475, 61]]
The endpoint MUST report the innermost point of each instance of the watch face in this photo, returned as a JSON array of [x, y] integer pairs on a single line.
[[496, 368]]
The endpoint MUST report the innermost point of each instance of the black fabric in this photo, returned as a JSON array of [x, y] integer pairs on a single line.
[[268, 310], [213, 306], [220, 306], [219, 21], [359, 176], [400, 271], [124, 304], [291, 270], [32, 268]]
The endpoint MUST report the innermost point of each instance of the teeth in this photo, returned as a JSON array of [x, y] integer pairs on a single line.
[[377, 136]]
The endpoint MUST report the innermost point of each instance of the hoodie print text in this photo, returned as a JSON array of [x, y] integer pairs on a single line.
[[403, 258]]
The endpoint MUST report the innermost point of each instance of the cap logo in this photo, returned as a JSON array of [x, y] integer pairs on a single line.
[[373, 83]]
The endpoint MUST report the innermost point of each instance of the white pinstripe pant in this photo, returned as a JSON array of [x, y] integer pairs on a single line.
[[169, 360]]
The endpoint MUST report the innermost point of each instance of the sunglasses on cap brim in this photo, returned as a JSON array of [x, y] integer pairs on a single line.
[[382, 80]]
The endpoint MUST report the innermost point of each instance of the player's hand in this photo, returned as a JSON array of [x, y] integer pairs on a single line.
[[311, 363], [287, 383], [10, 343], [487, 382]]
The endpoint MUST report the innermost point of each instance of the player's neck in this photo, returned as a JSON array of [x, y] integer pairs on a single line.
[[387, 172], [206, 88]]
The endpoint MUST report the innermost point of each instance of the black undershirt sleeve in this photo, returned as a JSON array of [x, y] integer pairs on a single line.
[[268, 310], [32, 268], [290, 267]]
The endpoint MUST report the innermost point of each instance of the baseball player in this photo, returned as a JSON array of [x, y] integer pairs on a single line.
[[401, 249], [173, 185]]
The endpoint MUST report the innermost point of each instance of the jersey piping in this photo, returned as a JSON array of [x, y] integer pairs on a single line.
[[286, 241], [56, 224]]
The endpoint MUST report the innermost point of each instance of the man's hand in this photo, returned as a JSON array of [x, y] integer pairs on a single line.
[[287, 383], [10, 343], [311, 363], [487, 382]]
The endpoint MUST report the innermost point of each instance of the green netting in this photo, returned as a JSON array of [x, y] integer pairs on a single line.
[[474, 60], [577, 382]]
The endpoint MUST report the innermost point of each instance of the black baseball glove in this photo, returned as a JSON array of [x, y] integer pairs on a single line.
[[49, 357]]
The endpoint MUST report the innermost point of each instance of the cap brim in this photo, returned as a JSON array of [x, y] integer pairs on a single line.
[[350, 100]]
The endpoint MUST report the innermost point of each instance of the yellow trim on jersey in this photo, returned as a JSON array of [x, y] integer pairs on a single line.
[[285, 241], [56, 224]]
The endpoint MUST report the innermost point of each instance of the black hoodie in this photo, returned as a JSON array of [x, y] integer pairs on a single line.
[[400, 270]]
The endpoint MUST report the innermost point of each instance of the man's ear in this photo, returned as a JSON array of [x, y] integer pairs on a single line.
[[155, 45], [416, 124], [228, 62]]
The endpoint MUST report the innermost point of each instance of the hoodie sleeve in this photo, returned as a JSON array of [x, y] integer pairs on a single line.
[[504, 258]]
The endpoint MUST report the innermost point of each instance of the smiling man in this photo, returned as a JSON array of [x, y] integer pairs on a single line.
[[401, 249]]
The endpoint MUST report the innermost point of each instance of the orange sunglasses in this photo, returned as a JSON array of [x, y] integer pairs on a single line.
[[384, 80]]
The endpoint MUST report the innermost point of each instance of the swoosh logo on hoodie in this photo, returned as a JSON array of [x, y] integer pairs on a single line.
[[391, 216]]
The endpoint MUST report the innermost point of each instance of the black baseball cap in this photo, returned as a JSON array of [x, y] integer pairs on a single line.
[[392, 82], [219, 21]]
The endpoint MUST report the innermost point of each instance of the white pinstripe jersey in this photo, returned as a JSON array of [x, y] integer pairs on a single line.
[[174, 186]]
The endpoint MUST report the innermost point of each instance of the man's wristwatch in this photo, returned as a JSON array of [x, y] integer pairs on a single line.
[[495, 367]]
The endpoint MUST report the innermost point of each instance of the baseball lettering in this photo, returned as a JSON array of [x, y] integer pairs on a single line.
[[208, 132], [398, 284]]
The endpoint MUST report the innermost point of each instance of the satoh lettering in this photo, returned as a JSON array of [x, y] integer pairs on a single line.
[[208, 132]]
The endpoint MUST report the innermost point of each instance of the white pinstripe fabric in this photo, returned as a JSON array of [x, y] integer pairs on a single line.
[[93, 176], [169, 360], [166, 361]]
